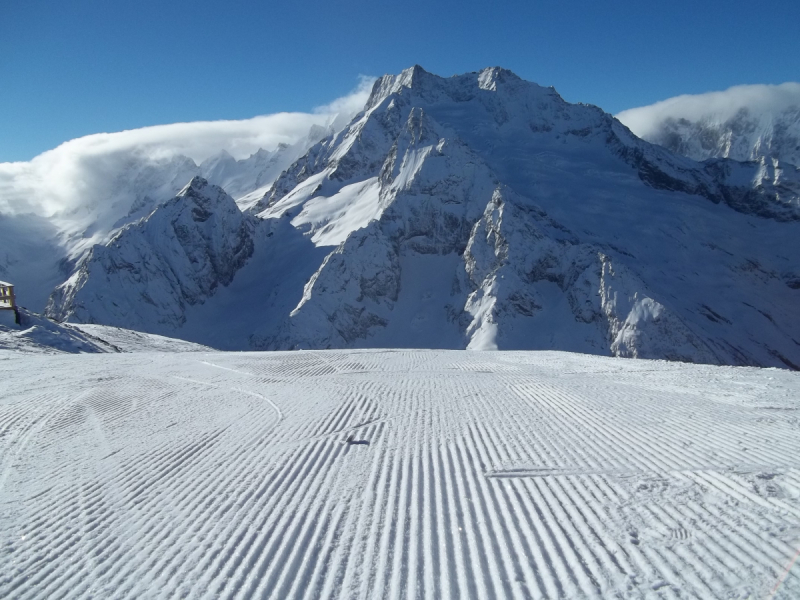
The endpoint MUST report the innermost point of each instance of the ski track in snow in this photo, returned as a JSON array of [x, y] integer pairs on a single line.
[[396, 474]]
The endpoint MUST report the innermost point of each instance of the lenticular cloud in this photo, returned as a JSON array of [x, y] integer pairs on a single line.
[[78, 173]]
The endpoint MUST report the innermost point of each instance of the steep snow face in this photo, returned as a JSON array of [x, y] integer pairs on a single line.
[[744, 123], [151, 270], [483, 211], [370, 285]]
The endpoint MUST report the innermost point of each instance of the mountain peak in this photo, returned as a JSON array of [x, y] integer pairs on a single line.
[[489, 77], [197, 184], [413, 76], [428, 86], [205, 196], [493, 211], [261, 152], [200, 188]]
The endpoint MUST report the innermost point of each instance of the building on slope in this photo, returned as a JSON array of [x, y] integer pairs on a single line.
[[7, 301]]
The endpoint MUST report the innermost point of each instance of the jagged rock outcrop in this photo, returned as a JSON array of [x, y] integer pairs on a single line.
[[151, 270], [519, 262]]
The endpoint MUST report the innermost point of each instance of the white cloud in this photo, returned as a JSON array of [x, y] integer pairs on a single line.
[[78, 173], [715, 106], [352, 103]]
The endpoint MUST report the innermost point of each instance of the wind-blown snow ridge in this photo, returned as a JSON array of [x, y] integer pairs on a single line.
[[362, 474]]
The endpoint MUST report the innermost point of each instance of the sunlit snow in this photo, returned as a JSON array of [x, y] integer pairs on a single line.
[[396, 474]]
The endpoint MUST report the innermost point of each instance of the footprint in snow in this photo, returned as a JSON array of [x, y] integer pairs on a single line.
[[354, 442]]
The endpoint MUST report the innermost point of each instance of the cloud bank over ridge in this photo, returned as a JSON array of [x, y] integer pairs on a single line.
[[718, 107], [80, 172]]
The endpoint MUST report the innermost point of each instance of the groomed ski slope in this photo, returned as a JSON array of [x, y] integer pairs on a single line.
[[396, 474]]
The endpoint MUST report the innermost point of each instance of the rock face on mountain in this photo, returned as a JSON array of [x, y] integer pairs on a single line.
[[151, 270], [482, 211], [130, 185]]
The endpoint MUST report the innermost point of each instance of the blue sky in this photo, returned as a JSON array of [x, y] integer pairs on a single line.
[[69, 69]]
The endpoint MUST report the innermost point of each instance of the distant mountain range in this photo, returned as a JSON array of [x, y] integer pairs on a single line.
[[756, 122], [478, 211]]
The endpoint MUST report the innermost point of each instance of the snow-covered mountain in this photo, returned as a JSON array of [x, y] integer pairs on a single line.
[[759, 123], [196, 266], [177, 256], [140, 183], [478, 211], [39, 252]]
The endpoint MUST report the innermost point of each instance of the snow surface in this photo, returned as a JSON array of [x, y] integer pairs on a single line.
[[127, 340], [389, 474], [334, 218], [28, 332]]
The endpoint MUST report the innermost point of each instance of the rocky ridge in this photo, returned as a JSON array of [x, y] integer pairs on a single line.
[[152, 269]]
